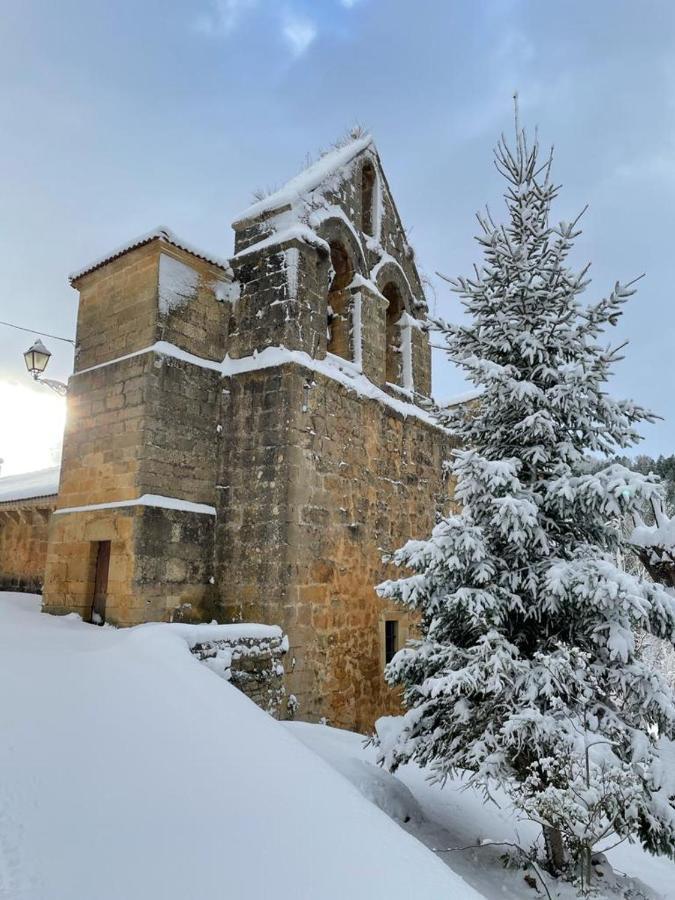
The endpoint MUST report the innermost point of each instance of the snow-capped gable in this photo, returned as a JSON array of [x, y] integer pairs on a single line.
[[345, 191], [331, 166]]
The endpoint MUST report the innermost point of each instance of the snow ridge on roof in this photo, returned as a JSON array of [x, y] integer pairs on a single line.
[[161, 233], [29, 485], [466, 397], [309, 179]]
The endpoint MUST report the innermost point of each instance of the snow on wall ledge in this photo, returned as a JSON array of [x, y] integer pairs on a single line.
[[333, 367], [155, 500]]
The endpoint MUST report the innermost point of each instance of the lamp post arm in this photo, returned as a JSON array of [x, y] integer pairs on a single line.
[[57, 386]]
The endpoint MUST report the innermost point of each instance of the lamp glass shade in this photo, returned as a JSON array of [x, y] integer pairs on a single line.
[[36, 358]]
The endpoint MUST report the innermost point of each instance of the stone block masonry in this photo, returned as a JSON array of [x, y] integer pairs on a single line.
[[311, 474], [141, 423], [24, 531], [251, 658]]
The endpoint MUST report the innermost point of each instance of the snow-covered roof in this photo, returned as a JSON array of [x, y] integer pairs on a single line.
[[29, 485], [309, 179], [161, 233], [466, 397]]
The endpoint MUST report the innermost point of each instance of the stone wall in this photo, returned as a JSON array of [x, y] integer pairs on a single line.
[[23, 543], [319, 483], [282, 300], [160, 564], [252, 663], [173, 571], [178, 455], [117, 312], [368, 480], [120, 311], [103, 440], [253, 557], [71, 561]]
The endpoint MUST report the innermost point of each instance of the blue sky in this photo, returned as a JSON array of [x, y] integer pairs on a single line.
[[119, 117]]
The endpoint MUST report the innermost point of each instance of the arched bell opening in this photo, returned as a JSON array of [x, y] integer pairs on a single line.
[[338, 324], [368, 198], [395, 310]]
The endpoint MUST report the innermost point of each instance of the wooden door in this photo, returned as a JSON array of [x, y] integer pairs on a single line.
[[100, 583]]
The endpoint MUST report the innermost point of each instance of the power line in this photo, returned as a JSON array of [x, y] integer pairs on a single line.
[[41, 333]]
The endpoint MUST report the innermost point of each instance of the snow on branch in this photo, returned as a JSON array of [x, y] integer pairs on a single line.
[[655, 544]]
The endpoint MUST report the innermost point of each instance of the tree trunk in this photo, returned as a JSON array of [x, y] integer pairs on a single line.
[[555, 849], [587, 863]]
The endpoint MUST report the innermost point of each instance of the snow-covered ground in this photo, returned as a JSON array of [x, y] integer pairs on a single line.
[[454, 817], [129, 770]]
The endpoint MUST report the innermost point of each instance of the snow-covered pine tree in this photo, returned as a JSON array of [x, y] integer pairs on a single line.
[[525, 675]]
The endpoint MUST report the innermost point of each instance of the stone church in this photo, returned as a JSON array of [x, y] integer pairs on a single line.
[[247, 436]]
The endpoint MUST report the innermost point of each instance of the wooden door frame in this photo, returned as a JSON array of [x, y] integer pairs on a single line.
[[100, 588]]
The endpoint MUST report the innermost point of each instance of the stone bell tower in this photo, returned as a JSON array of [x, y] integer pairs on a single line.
[[328, 459]]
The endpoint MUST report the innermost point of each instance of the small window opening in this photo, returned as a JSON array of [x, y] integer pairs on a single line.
[[337, 314], [395, 310], [98, 603], [390, 639], [368, 198]]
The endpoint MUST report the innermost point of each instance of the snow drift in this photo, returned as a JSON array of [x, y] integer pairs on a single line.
[[129, 770]]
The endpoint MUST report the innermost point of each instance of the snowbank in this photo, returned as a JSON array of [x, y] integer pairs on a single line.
[[129, 770], [345, 752], [457, 817]]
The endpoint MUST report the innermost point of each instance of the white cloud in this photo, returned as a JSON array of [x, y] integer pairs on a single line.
[[349, 3], [222, 17], [298, 32]]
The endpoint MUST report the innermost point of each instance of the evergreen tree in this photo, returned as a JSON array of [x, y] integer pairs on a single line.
[[526, 674]]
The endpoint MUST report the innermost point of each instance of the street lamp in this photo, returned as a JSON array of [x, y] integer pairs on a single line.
[[36, 358]]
